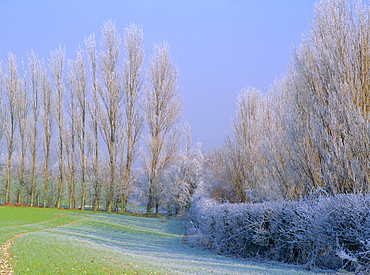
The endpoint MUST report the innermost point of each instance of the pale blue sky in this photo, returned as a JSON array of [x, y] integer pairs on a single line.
[[220, 46]]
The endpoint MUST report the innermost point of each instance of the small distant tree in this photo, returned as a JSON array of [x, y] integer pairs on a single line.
[[216, 175], [187, 178], [191, 167], [162, 108]]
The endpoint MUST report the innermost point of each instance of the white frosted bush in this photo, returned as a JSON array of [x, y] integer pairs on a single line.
[[328, 232]]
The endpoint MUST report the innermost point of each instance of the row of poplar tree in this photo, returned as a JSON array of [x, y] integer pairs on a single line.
[[310, 133], [85, 117]]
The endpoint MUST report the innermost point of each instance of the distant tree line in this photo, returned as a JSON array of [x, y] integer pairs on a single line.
[[71, 128]]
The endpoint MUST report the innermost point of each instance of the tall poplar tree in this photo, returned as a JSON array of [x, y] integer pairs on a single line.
[[132, 81], [12, 88], [162, 108], [111, 97]]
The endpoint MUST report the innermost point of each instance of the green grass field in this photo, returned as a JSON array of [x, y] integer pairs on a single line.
[[51, 241]]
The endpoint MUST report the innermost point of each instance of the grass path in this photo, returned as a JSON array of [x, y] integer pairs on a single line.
[[5, 254], [74, 242], [22, 225]]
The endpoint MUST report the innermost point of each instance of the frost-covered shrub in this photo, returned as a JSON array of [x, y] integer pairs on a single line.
[[198, 227], [328, 232], [344, 227]]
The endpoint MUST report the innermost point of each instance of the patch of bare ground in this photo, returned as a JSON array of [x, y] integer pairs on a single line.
[[5, 257]]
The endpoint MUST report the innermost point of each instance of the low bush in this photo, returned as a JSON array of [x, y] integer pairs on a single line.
[[326, 232]]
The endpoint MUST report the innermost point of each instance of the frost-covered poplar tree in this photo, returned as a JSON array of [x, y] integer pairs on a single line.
[[12, 88], [244, 160], [93, 119], [1, 101], [132, 81], [22, 107], [329, 100], [1, 104], [69, 139], [47, 126], [56, 64], [277, 150], [162, 108], [111, 95], [78, 82], [34, 71]]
